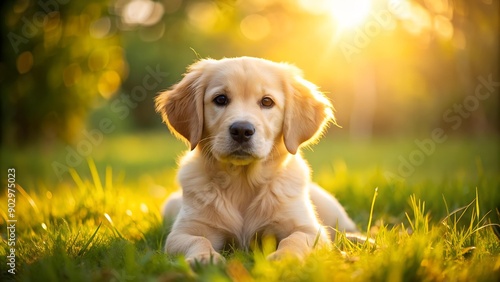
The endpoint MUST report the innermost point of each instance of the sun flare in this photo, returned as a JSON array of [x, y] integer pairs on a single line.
[[349, 14]]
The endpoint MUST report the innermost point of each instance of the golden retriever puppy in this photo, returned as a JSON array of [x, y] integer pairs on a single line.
[[244, 178]]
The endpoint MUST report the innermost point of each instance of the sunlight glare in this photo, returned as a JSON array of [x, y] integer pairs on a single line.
[[349, 14], [106, 215]]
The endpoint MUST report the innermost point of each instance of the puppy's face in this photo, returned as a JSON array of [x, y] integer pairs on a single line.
[[244, 106], [239, 110]]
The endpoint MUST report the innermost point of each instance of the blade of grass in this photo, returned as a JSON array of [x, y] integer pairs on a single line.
[[371, 215], [87, 244], [95, 174], [462, 209], [316, 239], [28, 197], [477, 204], [78, 181], [447, 210], [115, 230]]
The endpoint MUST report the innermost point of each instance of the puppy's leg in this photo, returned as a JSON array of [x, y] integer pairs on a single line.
[[172, 206], [330, 211], [195, 248]]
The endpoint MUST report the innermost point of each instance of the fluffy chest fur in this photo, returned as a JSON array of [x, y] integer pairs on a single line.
[[243, 201]]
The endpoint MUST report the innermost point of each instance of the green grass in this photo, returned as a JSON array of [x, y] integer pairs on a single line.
[[102, 221]]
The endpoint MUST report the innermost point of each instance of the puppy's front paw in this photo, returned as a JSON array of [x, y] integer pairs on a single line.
[[205, 258]]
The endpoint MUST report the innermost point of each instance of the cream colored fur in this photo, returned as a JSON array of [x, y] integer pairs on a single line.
[[233, 192]]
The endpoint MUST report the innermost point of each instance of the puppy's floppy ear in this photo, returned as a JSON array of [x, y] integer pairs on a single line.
[[181, 107], [307, 111]]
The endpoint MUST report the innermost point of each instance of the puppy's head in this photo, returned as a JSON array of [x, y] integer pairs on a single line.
[[240, 109]]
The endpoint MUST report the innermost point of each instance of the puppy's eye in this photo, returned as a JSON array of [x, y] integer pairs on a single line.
[[267, 102], [221, 100]]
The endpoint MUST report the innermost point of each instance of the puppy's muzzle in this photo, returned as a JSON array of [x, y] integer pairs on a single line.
[[241, 131]]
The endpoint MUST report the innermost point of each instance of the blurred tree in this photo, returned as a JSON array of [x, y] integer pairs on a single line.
[[59, 58]]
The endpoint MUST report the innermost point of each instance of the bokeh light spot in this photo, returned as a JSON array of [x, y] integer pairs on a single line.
[[24, 62], [202, 15], [419, 21], [20, 6], [144, 208], [142, 12], [443, 27], [108, 84], [255, 27], [100, 28]]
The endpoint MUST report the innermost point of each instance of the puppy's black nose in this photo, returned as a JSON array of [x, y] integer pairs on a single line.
[[241, 131]]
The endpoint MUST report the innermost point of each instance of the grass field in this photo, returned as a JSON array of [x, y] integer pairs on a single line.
[[101, 221]]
